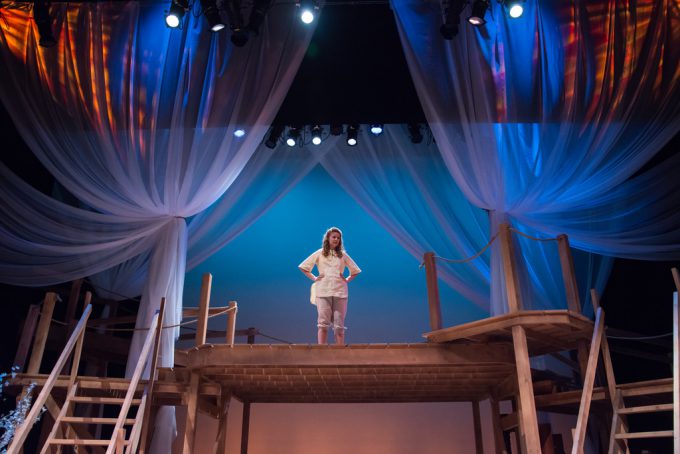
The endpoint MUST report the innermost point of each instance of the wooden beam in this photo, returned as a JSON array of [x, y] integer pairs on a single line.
[[527, 406], [222, 429], [150, 386], [245, 427], [41, 333], [190, 424], [476, 418], [231, 323], [498, 441], [568, 275], [203, 305], [588, 385], [26, 337], [432, 291], [509, 269]]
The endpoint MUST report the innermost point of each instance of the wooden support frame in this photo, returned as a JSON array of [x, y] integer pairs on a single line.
[[477, 420], [528, 421], [509, 268], [27, 333], [222, 428], [568, 275], [192, 413], [498, 440], [245, 427], [432, 291], [41, 333], [203, 306], [231, 322], [676, 366]]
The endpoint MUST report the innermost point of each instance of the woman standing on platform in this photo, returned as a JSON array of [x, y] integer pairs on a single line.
[[329, 291]]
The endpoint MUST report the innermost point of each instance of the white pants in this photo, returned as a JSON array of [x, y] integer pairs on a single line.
[[332, 311]]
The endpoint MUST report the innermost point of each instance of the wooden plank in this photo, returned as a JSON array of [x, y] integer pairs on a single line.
[[568, 275], [245, 427], [41, 333], [58, 418], [22, 432], [477, 420], [509, 421], [433, 303], [509, 269], [498, 441], [222, 428], [150, 386], [81, 442], [528, 419], [231, 323], [95, 420], [651, 434], [589, 381], [26, 337], [646, 409], [203, 305], [190, 422]]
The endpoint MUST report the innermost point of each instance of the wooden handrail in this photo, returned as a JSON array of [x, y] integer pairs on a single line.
[[588, 384], [134, 381], [22, 432]]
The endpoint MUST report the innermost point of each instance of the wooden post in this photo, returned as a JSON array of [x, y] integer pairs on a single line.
[[120, 441], [245, 427], [509, 269], [528, 421], [498, 441], [676, 371], [231, 322], [222, 429], [27, 333], [148, 408], [479, 445], [251, 332], [204, 304], [588, 385], [41, 333], [432, 291], [568, 275], [192, 409]]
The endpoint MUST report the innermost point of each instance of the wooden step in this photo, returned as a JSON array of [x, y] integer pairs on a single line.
[[654, 434], [81, 442], [103, 400], [645, 409], [94, 420]]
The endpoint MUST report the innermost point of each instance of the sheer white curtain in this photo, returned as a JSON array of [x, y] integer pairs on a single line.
[[544, 120]]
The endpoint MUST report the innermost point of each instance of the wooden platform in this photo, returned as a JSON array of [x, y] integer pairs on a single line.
[[546, 331]]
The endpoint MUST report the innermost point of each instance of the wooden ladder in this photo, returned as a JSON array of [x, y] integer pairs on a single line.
[[620, 433]]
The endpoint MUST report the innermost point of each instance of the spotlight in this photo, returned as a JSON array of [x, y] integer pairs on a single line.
[[257, 13], [274, 135], [212, 15], [239, 34], [376, 129], [514, 7], [352, 134], [177, 10], [451, 24], [415, 133], [41, 16], [336, 129], [293, 136], [308, 9], [317, 132], [239, 132], [479, 8]]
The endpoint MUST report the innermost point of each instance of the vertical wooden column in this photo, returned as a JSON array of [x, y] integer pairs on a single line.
[[192, 412], [41, 333], [498, 441], [568, 275], [245, 427], [509, 269], [477, 420], [27, 333], [203, 306], [231, 322], [432, 291], [222, 429], [676, 369]]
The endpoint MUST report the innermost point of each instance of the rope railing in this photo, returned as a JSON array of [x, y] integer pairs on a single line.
[[189, 322]]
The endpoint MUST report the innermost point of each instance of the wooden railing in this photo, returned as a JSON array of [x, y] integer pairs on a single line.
[[74, 342]]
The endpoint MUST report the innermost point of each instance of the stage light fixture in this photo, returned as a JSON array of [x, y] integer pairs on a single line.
[[415, 132], [515, 8], [212, 15], [41, 16], [293, 136], [376, 129], [336, 129], [257, 14], [479, 8], [239, 132], [317, 132], [352, 134], [239, 33], [452, 11], [274, 135], [308, 10], [178, 8]]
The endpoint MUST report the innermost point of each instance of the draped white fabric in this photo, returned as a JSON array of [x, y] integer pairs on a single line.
[[544, 120]]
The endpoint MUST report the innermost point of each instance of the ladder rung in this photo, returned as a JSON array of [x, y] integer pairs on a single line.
[[655, 434], [645, 409], [81, 442], [94, 420], [103, 400]]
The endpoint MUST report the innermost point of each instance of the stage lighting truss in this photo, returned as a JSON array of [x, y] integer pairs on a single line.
[[174, 16], [308, 10], [294, 136], [317, 134], [212, 15]]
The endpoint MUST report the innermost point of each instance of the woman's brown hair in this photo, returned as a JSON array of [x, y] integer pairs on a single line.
[[326, 245]]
